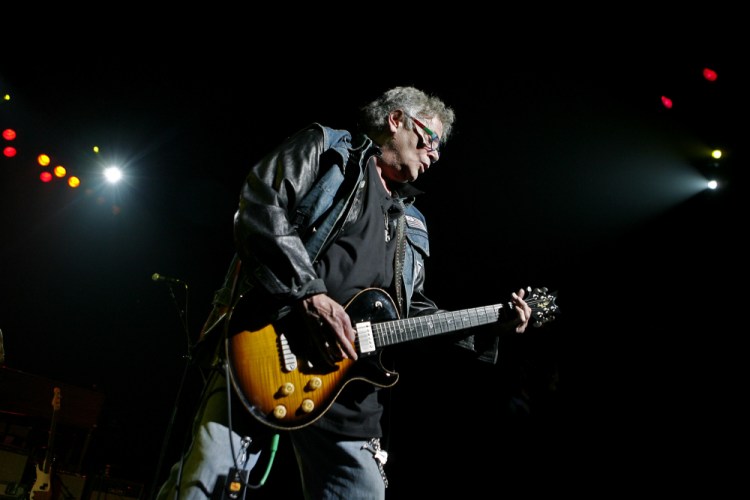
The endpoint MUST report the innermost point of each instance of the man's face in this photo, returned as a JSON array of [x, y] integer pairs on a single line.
[[411, 151]]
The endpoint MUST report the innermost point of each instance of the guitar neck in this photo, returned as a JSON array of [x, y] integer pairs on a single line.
[[419, 327], [49, 455]]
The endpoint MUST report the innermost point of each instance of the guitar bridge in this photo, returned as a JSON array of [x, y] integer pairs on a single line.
[[288, 359]]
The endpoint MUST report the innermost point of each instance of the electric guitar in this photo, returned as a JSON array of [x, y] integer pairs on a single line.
[[43, 484], [285, 390]]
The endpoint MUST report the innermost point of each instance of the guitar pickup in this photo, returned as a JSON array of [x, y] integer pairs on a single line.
[[365, 338]]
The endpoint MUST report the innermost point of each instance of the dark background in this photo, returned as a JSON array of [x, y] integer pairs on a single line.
[[563, 171]]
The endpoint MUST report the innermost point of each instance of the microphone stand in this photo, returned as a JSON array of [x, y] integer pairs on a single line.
[[188, 359]]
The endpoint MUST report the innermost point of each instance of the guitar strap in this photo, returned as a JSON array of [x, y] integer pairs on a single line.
[[400, 254]]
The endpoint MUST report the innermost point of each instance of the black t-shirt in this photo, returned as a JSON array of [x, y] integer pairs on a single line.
[[362, 257]]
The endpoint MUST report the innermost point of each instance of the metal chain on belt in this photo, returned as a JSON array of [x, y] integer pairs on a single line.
[[380, 455]]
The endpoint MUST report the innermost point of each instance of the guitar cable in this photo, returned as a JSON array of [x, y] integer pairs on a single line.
[[235, 479]]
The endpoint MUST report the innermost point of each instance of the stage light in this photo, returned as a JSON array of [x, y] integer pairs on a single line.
[[112, 174], [712, 171], [9, 135], [709, 74], [43, 160]]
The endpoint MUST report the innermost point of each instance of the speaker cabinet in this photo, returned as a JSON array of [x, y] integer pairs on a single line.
[[69, 486], [12, 465]]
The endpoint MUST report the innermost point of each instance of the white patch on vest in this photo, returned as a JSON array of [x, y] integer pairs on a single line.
[[414, 222]]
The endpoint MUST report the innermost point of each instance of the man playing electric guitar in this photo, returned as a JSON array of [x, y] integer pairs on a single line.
[[321, 219], [287, 386]]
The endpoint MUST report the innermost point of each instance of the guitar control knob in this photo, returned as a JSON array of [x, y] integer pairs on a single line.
[[279, 412], [314, 383], [286, 389], [307, 405]]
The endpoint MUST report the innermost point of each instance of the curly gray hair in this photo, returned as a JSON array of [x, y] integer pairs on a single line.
[[374, 116]]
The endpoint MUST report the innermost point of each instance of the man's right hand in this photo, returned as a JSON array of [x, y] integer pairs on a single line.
[[331, 327]]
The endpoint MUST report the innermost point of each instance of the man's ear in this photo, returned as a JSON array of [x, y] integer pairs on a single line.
[[395, 118]]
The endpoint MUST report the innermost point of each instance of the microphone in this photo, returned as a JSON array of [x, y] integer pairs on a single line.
[[167, 279]]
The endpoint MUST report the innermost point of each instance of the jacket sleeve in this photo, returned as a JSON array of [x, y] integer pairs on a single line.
[[273, 255], [483, 346]]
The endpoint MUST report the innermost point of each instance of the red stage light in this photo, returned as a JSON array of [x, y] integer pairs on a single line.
[[709, 74]]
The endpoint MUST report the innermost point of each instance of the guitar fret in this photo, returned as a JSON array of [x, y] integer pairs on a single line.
[[406, 333]]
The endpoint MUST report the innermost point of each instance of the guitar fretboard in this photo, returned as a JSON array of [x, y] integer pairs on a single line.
[[419, 327]]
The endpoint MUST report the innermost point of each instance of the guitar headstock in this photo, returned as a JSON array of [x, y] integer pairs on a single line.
[[542, 303], [56, 399]]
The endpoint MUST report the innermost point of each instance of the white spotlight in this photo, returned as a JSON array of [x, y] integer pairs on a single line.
[[112, 174]]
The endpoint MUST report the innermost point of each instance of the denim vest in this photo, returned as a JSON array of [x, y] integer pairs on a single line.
[[322, 202]]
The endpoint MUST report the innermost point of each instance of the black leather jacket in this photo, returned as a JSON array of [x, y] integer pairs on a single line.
[[293, 203]]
